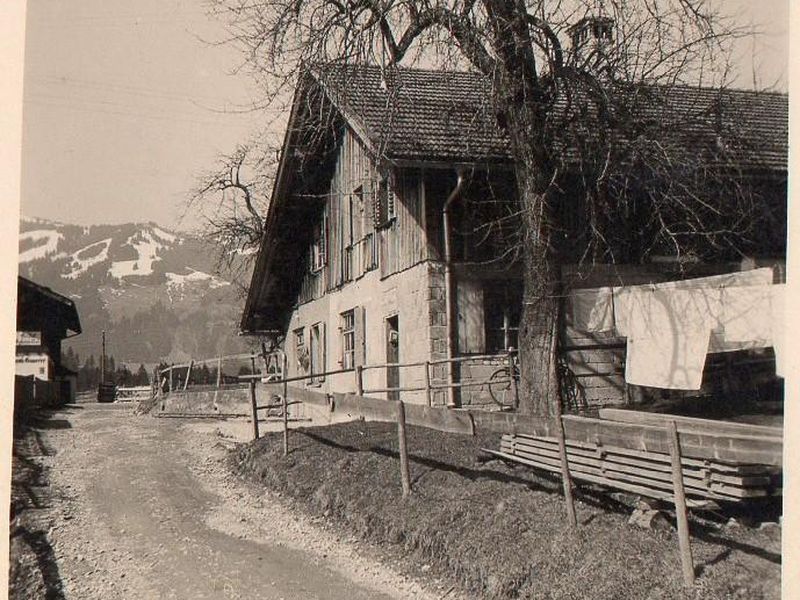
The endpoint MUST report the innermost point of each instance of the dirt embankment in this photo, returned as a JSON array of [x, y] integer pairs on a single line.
[[497, 531]]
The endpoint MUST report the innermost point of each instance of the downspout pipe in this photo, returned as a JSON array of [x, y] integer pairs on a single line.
[[450, 317]]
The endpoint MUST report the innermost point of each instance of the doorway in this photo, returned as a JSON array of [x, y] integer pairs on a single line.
[[393, 356]]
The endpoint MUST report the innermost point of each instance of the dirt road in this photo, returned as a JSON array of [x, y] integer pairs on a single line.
[[143, 508]]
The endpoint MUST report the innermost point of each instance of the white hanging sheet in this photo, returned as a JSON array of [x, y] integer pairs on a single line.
[[671, 326], [668, 337], [590, 310]]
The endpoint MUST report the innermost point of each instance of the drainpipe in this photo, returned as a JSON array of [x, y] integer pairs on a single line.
[[450, 318]]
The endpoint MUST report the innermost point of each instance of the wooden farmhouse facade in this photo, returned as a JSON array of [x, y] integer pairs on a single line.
[[390, 237], [44, 319]]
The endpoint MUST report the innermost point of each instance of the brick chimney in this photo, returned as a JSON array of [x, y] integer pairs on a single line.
[[591, 38]]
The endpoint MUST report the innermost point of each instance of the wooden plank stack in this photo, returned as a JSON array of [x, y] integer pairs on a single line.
[[648, 473]]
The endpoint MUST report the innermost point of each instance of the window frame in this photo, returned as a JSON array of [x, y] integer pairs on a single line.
[[317, 333], [384, 203], [319, 246], [347, 335]]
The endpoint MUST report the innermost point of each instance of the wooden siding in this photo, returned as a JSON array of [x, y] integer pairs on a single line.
[[403, 243], [353, 244]]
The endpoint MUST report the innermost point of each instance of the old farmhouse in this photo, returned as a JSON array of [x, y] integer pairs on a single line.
[[389, 232], [44, 319]]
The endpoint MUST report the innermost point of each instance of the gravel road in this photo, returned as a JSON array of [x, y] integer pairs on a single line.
[[143, 508]]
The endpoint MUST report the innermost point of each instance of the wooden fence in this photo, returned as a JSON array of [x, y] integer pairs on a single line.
[[676, 459]]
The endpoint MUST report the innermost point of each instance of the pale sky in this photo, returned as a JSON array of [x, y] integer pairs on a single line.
[[123, 103]]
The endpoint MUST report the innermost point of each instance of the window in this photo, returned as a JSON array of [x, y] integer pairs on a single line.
[[300, 350], [384, 204], [366, 257], [317, 353], [502, 304], [319, 245], [348, 332]]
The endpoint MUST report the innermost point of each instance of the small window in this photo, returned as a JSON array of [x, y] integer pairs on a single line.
[[502, 303], [317, 353], [300, 349], [319, 246], [384, 204], [348, 335]]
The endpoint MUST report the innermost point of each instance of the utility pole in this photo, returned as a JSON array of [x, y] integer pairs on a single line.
[[103, 360]]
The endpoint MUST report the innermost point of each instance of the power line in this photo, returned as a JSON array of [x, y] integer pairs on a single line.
[[123, 113], [123, 88]]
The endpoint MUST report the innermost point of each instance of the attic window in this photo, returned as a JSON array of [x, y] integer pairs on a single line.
[[384, 209], [319, 246]]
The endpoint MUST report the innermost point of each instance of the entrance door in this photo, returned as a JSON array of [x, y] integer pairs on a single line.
[[393, 356]]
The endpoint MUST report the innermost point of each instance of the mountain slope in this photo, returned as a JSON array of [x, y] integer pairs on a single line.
[[153, 291]]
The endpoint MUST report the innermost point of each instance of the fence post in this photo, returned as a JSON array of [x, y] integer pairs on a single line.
[[254, 407], [360, 380], [566, 478], [188, 375], [402, 447], [219, 371], [170, 379], [680, 504], [285, 402], [252, 364], [512, 373], [428, 382]]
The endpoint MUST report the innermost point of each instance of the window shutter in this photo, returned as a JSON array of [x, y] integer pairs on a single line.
[[384, 203], [360, 350], [323, 351]]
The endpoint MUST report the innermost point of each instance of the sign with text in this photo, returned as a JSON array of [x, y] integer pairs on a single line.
[[29, 338]]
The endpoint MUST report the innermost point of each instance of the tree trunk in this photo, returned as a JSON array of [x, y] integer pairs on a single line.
[[539, 326]]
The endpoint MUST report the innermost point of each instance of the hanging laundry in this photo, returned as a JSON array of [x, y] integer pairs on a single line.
[[668, 334], [747, 315], [628, 306], [762, 276], [590, 310]]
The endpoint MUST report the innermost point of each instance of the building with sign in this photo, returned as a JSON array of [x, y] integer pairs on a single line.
[[44, 319]]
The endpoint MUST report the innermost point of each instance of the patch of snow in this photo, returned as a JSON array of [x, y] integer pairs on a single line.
[[175, 280], [146, 249], [38, 221], [48, 248], [80, 266], [164, 236], [244, 252]]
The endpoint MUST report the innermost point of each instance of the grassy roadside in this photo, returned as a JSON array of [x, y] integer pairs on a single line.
[[494, 530]]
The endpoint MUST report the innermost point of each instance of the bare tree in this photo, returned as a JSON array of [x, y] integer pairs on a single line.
[[594, 104], [231, 201]]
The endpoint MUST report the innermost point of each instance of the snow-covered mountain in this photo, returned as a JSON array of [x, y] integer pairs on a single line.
[[154, 291]]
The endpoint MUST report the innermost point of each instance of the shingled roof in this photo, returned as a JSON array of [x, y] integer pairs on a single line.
[[444, 116], [415, 116]]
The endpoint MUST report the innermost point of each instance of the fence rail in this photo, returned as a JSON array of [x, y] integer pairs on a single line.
[[178, 376], [675, 441]]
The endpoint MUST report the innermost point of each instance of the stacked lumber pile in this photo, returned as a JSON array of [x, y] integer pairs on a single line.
[[647, 472]]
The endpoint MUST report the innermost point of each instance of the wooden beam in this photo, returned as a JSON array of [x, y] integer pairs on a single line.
[[566, 479], [687, 566], [689, 424], [254, 408], [402, 448]]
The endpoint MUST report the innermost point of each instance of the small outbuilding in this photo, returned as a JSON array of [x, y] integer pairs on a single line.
[[44, 319]]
